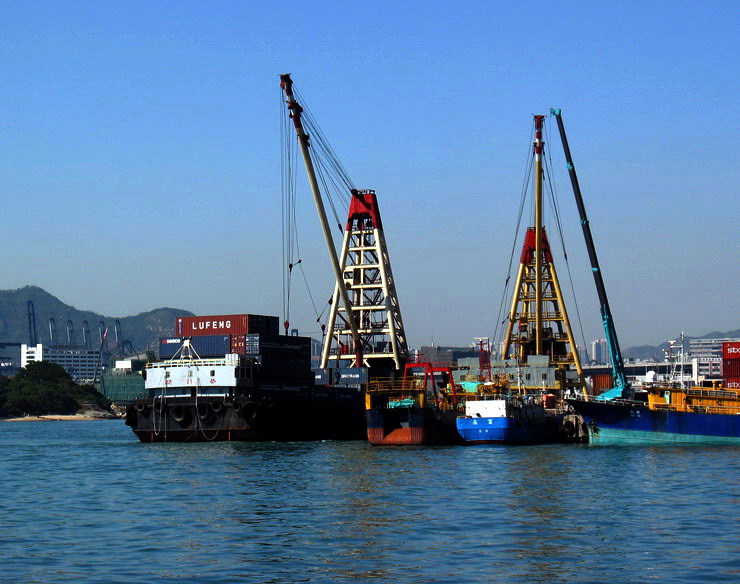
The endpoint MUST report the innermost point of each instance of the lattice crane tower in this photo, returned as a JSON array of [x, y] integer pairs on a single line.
[[368, 277], [538, 320]]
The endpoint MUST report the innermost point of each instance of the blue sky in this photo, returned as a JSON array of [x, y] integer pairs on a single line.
[[140, 157]]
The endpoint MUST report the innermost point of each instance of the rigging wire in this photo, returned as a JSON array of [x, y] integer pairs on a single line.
[[318, 138], [335, 187], [522, 201]]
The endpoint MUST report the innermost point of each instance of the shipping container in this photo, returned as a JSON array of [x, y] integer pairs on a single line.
[[601, 382], [204, 346], [227, 324], [731, 368], [323, 376], [256, 344], [731, 350], [276, 364], [350, 376], [280, 388], [732, 382]]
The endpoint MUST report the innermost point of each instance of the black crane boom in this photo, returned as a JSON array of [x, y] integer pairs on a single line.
[[610, 331]]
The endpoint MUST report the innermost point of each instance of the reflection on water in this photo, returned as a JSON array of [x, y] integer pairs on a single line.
[[85, 502]]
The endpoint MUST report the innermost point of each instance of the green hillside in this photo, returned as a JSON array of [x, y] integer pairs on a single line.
[[143, 330]]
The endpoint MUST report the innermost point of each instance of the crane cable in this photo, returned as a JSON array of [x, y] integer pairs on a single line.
[[336, 186], [522, 201], [556, 212]]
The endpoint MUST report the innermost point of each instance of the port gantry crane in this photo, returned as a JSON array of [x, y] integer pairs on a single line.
[[32, 335], [538, 322], [71, 338], [365, 317], [86, 334], [52, 332]]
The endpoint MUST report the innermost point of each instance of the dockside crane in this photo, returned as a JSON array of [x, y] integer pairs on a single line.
[[103, 345], [103, 332], [52, 332], [365, 317], [119, 337], [32, 336], [71, 340], [86, 334], [123, 346]]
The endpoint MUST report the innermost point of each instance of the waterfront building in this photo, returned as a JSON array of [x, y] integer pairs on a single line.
[[448, 355], [706, 357], [81, 363], [582, 354]]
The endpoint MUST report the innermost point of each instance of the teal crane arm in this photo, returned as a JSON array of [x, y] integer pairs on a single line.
[[615, 353]]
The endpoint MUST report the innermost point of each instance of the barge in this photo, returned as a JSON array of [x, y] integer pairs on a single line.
[[236, 398]]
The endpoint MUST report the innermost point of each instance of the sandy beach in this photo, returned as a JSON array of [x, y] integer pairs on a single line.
[[57, 418]]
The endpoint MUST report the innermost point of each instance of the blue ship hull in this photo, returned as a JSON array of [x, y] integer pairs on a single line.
[[508, 430], [611, 422]]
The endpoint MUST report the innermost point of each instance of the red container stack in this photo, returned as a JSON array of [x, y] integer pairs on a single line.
[[229, 324], [731, 364]]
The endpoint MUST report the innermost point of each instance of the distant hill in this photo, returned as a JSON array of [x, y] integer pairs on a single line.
[[143, 330], [656, 353]]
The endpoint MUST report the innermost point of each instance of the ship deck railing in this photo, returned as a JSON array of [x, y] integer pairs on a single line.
[[697, 409], [447, 399], [733, 408], [189, 362], [719, 393]]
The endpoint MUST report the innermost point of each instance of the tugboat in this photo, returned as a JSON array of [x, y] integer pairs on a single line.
[[240, 397], [420, 409], [540, 363]]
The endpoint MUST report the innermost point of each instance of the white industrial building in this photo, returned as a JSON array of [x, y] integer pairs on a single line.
[[81, 363], [706, 357]]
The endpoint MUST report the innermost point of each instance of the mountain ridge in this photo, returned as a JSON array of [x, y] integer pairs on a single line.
[[142, 330]]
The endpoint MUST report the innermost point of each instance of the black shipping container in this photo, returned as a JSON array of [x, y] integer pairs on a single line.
[[260, 344], [278, 388], [277, 364]]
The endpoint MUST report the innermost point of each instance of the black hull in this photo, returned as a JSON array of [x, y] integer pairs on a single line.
[[248, 419]]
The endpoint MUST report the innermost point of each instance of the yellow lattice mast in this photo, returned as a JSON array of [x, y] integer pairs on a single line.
[[538, 321]]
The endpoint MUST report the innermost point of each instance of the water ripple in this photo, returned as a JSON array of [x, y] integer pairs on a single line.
[[84, 502]]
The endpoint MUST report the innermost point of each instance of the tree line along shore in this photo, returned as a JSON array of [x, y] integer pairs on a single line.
[[45, 391]]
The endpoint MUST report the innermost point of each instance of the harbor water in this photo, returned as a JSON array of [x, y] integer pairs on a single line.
[[85, 502]]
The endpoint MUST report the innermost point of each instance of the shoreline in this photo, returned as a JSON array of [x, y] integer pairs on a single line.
[[58, 418]]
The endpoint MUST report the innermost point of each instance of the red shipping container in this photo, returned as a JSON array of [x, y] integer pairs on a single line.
[[731, 368], [732, 382], [228, 324], [602, 381], [731, 350]]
